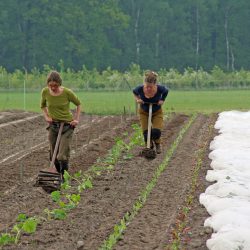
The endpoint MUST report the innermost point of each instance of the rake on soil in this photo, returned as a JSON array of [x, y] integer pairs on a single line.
[[49, 179], [149, 152]]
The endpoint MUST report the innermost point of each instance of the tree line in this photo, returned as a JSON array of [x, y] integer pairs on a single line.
[[154, 34], [114, 80]]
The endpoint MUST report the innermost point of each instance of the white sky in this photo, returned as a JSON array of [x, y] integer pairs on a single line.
[[227, 199]]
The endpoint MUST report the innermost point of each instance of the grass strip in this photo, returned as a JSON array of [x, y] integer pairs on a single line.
[[128, 217], [107, 103], [181, 221]]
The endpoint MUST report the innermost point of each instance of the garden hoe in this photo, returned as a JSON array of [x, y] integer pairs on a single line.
[[149, 152], [50, 180]]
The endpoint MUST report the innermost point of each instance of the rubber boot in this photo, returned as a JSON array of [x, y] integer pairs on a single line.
[[58, 166], [156, 134], [158, 148], [64, 165]]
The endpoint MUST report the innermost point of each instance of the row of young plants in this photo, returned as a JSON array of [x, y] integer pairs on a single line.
[[110, 79], [121, 147], [66, 199], [120, 227], [180, 229], [69, 195]]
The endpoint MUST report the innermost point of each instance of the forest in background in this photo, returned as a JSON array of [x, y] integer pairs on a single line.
[[113, 34]]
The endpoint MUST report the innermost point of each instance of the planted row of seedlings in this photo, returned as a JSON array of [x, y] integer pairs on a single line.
[[180, 229], [70, 194], [120, 227], [65, 199]]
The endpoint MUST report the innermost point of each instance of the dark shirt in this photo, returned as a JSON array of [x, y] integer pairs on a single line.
[[161, 94]]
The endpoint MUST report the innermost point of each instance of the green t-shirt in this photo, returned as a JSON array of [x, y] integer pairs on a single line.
[[59, 106]]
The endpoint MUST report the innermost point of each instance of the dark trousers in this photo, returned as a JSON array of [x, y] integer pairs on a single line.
[[63, 153]]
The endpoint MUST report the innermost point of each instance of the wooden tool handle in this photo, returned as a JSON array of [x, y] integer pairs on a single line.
[[57, 145], [149, 125]]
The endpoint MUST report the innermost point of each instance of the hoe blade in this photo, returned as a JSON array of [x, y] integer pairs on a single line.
[[49, 181], [148, 153]]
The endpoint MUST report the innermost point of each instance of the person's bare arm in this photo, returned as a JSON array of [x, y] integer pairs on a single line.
[[46, 115], [138, 99], [76, 116]]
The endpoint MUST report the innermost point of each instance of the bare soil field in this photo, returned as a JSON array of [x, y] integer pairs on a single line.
[[24, 151]]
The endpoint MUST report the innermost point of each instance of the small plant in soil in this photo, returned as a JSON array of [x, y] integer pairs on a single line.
[[6, 239], [23, 225]]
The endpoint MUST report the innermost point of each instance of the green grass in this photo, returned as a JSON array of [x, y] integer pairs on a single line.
[[116, 102], [208, 101]]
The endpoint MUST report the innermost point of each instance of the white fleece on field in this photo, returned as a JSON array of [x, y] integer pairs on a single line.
[[228, 199]]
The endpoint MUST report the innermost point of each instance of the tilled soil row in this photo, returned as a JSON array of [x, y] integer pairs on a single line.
[[113, 194], [29, 200], [13, 115], [196, 235], [151, 228], [21, 135]]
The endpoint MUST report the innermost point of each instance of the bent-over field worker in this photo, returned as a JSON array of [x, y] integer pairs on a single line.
[[55, 103], [151, 92]]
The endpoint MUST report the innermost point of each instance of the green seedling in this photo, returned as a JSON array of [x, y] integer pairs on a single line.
[[113, 238], [65, 186], [85, 185], [21, 218], [73, 199], [62, 204], [83, 181], [56, 196], [6, 238], [59, 214], [77, 174], [67, 179], [27, 225], [30, 225], [88, 183]]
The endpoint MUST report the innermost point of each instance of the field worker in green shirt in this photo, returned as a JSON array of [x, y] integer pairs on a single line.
[[55, 104]]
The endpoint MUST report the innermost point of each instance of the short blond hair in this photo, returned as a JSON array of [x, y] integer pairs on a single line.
[[151, 76]]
